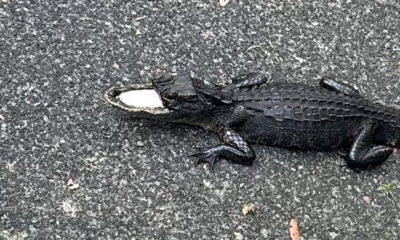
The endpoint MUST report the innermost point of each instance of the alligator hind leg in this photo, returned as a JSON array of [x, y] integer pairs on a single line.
[[362, 154], [339, 87], [236, 150], [249, 80]]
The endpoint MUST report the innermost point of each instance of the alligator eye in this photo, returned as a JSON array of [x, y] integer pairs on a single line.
[[190, 98], [170, 96]]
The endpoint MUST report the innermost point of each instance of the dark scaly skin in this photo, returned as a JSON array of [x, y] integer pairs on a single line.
[[328, 117], [306, 117]]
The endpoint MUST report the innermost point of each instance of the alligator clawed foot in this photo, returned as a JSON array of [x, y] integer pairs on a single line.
[[209, 158], [342, 153], [357, 170]]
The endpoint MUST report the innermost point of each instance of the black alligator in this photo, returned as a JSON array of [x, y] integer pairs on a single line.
[[331, 116]]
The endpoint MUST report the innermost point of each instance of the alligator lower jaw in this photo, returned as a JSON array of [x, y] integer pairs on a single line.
[[136, 98]]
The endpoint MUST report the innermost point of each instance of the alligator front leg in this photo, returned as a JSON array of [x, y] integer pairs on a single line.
[[339, 87], [362, 154], [236, 150], [249, 80]]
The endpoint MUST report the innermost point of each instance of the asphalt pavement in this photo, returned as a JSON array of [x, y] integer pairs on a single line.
[[134, 179]]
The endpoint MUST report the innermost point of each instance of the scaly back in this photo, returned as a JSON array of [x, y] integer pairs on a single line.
[[299, 102]]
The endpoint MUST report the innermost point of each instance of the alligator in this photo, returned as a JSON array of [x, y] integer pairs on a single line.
[[330, 116]]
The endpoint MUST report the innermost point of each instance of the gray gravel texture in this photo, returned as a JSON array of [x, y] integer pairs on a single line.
[[57, 58]]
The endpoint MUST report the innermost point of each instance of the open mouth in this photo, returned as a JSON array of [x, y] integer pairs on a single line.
[[136, 98]]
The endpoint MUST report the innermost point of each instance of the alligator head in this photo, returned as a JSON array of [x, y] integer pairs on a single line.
[[181, 99]]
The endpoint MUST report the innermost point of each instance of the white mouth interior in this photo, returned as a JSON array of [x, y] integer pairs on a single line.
[[146, 98]]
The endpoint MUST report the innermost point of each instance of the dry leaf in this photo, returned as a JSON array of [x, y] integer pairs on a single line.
[[250, 208], [157, 72], [115, 66], [367, 199], [223, 3], [71, 184], [1, 118], [294, 230]]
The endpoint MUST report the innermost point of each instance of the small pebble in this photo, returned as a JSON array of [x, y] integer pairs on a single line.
[[123, 182], [226, 184], [238, 236], [140, 143], [264, 232]]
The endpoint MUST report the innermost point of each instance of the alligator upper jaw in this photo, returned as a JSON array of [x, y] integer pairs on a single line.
[[136, 98]]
